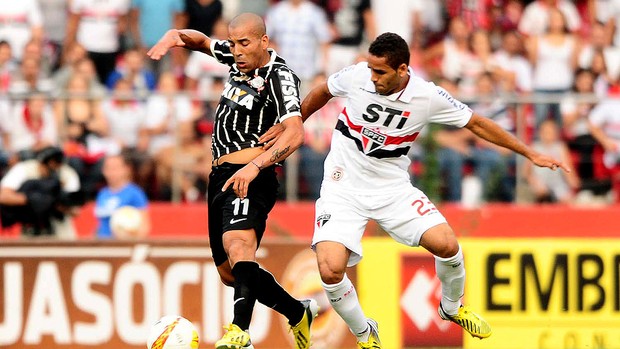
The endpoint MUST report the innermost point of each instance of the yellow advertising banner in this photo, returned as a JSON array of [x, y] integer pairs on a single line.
[[545, 293], [536, 293]]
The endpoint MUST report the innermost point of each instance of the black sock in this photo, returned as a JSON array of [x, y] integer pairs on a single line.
[[246, 282], [275, 296]]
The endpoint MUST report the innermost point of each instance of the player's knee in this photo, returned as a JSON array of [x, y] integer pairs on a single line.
[[449, 249], [329, 274]]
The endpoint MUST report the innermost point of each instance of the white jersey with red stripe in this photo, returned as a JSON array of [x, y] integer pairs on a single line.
[[374, 132]]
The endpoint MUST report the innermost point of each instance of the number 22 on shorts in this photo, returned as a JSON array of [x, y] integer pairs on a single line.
[[423, 205]]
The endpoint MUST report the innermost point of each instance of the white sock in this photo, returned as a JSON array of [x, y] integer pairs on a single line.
[[451, 273], [343, 299]]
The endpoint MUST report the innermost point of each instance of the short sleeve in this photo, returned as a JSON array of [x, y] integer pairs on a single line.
[[138, 198], [69, 179], [598, 115], [447, 110], [15, 177], [220, 50], [339, 83], [285, 91]]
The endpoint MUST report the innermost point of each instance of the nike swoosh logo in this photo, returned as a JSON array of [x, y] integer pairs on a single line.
[[233, 221]]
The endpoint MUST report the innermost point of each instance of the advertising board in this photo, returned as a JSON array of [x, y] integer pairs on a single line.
[[108, 294]]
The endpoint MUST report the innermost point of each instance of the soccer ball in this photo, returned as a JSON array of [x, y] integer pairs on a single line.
[[172, 332], [125, 222]]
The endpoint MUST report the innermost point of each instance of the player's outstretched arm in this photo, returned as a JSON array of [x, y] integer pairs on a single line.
[[315, 100], [490, 131], [188, 38]]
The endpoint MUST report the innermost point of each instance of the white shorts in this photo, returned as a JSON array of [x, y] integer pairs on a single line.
[[342, 217]]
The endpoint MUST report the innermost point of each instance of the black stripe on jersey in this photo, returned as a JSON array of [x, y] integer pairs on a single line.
[[379, 154], [251, 103]]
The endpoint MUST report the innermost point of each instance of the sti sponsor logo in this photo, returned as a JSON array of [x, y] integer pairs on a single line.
[[238, 95], [289, 90], [375, 113]]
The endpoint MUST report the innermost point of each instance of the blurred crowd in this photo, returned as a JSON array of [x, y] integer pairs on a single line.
[[74, 75]]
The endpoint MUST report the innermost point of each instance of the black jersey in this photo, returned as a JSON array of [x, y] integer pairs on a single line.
[[251, 104]]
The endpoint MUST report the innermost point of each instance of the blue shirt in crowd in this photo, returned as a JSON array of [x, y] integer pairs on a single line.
[[107, 201]]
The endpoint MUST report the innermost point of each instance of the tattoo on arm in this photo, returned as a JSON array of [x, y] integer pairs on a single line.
[[277, 154]]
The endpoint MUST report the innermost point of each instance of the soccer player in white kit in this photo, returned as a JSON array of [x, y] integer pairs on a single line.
[[366, 178]]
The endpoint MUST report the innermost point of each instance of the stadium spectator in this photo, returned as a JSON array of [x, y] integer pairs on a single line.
[[191, 159], [351, 22], [505, 16], [202, 15], [536, 16], [613, 20], [165, 110], [35, 49], [318, 134], [120, 191], [83, 127], [86, 67], [480, 60], [299, 31], [30, 126], [98, 25], [5, 143], [405, 16], [428, 19], [576, 127], [474, 13], [605, 128], [71, 55], [445, 58], [8, 67], [551, 186], [41, 194], [29, 79], [131, 67], [460, 151], [55, 15], [150, 19], [554, 57], [201, 70], [512, 68], [20, 22], [126, 116], [597, 42]]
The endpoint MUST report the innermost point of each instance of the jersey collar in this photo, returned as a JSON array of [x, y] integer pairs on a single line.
[[405, 95], [266, 69]]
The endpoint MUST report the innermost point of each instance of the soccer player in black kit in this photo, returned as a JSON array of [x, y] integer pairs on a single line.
[[261, 91]]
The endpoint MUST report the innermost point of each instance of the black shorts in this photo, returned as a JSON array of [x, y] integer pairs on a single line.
[[227, 212]]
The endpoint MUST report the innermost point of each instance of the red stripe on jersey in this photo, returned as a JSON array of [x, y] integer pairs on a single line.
[[388, 139]]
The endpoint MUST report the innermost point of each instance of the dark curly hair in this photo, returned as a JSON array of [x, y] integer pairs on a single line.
[[392, 47]]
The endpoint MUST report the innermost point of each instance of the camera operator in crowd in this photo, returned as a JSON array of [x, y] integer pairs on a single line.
[[41, 194]]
